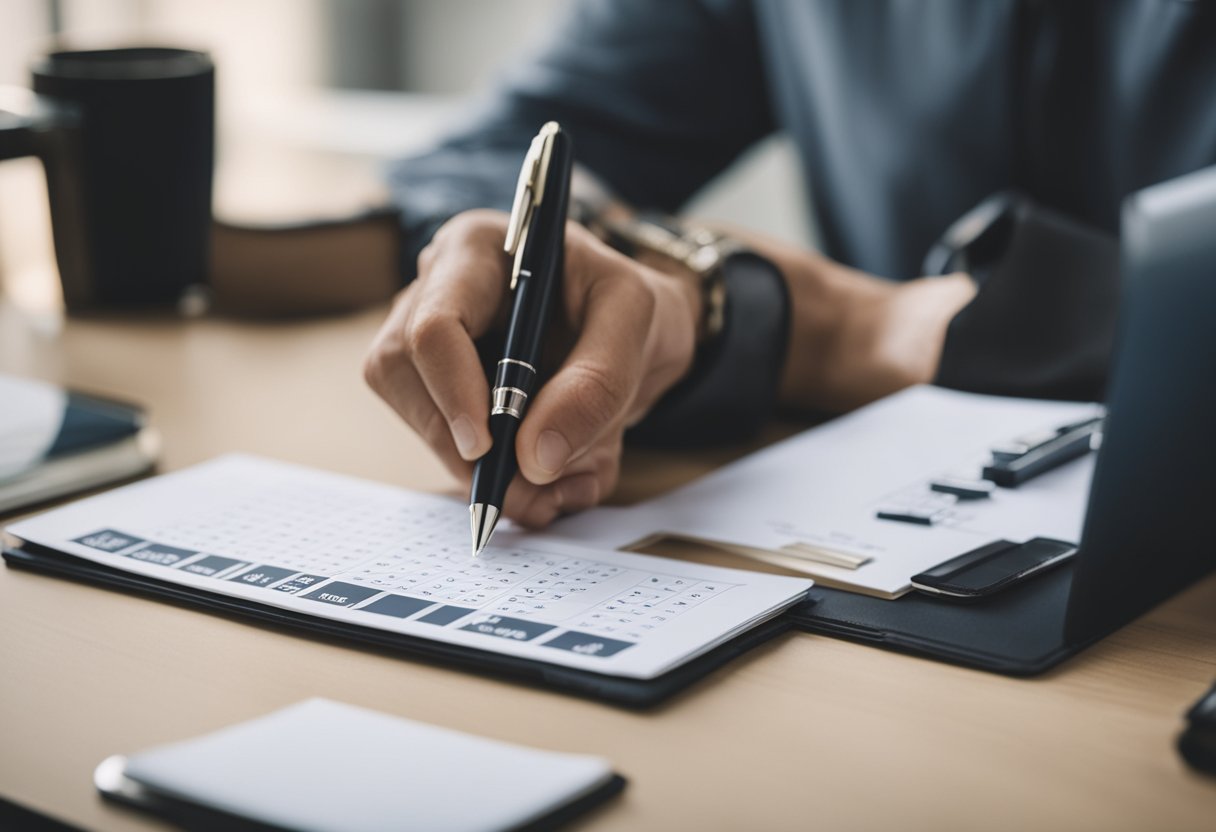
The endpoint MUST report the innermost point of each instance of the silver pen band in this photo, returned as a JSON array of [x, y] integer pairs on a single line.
[[523, 364], [509, 400]]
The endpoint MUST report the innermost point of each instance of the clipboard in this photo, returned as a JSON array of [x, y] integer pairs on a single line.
[[615, 690], [1147, 533]]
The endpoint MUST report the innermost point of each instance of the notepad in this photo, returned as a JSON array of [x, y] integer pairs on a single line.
[[344, 549], [326, 766]]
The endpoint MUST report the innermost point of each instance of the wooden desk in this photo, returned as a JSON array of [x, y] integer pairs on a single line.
[[808, 732]]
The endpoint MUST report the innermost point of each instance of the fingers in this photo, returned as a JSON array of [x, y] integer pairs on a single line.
[[448, 366], [588, 481], [423, 362], [426, 367], [405, 393], [591, 394]]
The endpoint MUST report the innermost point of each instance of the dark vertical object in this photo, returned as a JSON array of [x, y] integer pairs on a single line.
[[127, 137], [54, 17], [1150, 508]]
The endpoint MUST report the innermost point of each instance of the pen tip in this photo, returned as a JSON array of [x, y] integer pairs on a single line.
[[482, 519]]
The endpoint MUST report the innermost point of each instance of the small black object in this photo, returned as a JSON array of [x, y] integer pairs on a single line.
[[992, 567], [963, 489], [916, 517], [1065, 447], [1197, 745]]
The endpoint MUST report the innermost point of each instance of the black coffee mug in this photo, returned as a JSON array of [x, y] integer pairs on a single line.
[[127, 139]]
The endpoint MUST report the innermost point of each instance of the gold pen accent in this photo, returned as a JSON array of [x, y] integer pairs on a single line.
[[529, 192]]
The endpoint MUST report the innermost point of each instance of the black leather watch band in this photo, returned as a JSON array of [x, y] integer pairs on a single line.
[[732, 388]]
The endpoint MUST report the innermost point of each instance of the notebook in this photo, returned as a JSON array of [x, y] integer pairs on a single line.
[[341, 555], [55, 442], [324, 766]]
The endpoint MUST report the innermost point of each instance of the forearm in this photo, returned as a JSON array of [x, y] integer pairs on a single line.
[[855, 337]]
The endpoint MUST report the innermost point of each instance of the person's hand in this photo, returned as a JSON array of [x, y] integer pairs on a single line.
[[634, 331]]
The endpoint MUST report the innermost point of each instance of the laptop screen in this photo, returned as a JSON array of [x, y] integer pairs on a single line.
[[1149, 529]]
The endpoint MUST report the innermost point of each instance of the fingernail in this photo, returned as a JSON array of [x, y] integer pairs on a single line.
[[464, 436], [577, 492], [552, 451]]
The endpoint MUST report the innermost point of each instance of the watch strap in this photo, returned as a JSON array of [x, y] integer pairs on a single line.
[[732, 388]]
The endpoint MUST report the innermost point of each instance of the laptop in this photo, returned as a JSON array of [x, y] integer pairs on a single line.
[[1147, 530]]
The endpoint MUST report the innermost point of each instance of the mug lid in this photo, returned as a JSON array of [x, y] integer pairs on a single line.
[[123, 64]]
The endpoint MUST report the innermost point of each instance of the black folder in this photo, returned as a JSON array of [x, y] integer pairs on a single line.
[[627, 692], [1019, 631], [1147, 530]]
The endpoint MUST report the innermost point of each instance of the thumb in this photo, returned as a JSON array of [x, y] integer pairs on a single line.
[[593, 390]]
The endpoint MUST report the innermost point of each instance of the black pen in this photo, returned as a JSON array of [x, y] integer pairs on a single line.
[[536, 237]]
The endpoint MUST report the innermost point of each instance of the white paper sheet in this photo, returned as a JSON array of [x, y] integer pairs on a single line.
[[823, 487], [383, 557]]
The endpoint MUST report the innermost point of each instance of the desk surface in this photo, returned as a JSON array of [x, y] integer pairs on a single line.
[[807, 730]]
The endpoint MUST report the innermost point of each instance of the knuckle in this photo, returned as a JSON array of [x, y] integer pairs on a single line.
[[472, 226], [426, 334], [376, 366], [432, 429], [638, 295], [586, 260], [373, 368], [597, 393], [426, 257]]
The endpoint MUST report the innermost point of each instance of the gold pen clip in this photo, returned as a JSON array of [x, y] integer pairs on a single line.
[[529, 192]]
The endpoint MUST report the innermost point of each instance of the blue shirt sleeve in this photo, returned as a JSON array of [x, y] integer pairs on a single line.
[[659, 97]]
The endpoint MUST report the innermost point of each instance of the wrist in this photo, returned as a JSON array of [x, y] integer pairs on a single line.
[[849, 343], [883, 336], [675, 328], [680, 287]]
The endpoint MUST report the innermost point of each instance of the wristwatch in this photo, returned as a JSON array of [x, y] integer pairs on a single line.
[[700, 250], [731, 389]]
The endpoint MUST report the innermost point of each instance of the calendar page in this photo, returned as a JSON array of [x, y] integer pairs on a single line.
[[378, 556]]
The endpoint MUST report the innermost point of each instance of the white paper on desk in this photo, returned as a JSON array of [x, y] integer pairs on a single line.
[[823, 487], [382, 557], [324, 766]]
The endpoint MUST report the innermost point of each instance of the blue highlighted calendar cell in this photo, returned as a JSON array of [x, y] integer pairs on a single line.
[[161, 554], [300, 583], [263, 575], [108, 540], [445, 615], [586, 644], [499, 626], [341, 594], [212, 565], [398, 606]]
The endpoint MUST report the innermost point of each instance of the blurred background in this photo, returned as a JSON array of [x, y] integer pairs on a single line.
[[313, 96]]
